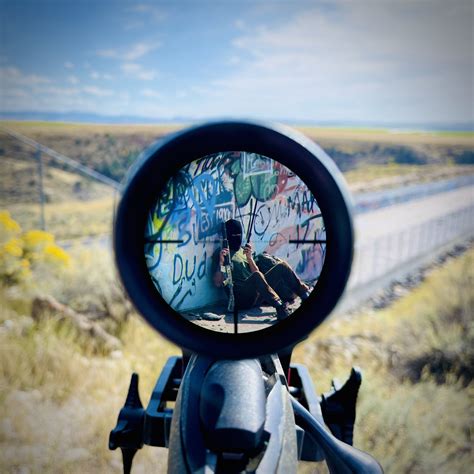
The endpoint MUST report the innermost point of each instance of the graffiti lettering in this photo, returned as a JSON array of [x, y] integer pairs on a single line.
[[206, 163], [185, 269], [254, 165], [177, 264], [210, 191]]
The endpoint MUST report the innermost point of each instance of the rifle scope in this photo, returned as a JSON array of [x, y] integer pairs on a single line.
[[280, 189]]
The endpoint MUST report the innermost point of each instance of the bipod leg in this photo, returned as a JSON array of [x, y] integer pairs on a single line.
[[127, 457]]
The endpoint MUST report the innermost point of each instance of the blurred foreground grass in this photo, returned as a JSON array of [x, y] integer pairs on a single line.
[[60, 395]]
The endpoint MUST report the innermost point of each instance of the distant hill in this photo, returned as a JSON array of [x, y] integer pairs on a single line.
[[85, 117], [111, 149]]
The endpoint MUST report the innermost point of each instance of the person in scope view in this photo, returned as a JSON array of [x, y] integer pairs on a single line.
[[259, 279]]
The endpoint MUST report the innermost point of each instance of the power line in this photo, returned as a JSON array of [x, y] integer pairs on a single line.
[[64, 159]]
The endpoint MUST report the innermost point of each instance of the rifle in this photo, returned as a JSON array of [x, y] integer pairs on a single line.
[[235, 402], [253, 213], [228, 282], [268, 427]]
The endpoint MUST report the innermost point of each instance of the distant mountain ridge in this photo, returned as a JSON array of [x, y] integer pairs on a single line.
[[86, 117]]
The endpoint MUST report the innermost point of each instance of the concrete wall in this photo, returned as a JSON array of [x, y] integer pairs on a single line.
[[211, 190]]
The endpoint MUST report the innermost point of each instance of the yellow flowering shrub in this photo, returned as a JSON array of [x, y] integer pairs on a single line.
[[13, 247], [8, 225], [21, 252], [57, 255], [34, 239]]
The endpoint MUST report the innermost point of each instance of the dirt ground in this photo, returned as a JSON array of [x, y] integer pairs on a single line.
[[217, 318]]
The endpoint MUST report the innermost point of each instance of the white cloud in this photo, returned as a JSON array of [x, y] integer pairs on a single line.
[[150, 11], [98, 91], [132, 53], [59, 91], [45, 97], [204, 91], [10, 75], [98, 76], [348, 61], [68, 65], [152, 93], [138, 71], [366, 61], [20, 91], [139, 50]]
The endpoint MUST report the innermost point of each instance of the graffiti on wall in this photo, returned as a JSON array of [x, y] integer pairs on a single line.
[[184, 228]]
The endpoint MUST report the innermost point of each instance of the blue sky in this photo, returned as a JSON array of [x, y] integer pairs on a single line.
[[362, 61]]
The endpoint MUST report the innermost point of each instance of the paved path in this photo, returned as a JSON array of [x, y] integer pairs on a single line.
[[369, 201], [391, 219], [391, 237]]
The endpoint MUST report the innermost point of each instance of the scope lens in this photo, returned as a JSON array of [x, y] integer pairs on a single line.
[[235, 242]]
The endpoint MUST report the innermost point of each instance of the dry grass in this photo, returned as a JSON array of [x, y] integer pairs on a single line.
[[338, 133], [422, 425], [380, 177], [70, 219], [108, 149], [111, 149], [58, 405], [79, 129], [58, 401], [75, 206], [20, 184], [59, 398], [379, 135]]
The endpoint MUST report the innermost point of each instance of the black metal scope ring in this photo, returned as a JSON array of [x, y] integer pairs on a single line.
[[149, 176]]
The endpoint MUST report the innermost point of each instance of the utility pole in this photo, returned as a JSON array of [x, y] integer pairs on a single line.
[[41, 189]]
